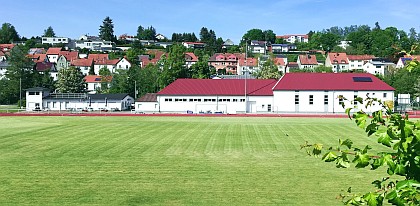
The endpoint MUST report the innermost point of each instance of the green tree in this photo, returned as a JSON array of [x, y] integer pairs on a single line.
[[21, 70], [148, 80], [119, 82], [146, 34], [322, 68], [8, 34], [71, 80], [173, 67], [253, 34], [268, 70], [106, 30], [201, 69], [105, 75], [269, 36], [49, 32]]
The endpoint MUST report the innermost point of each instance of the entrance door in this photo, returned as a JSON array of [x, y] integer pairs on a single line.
[[252, 107]]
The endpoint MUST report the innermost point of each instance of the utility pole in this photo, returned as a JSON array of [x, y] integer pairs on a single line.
[[20, 93], [246, 57], [135, 89]]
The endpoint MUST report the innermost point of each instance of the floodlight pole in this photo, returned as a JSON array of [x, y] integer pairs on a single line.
[[246, 54], [20, 93]]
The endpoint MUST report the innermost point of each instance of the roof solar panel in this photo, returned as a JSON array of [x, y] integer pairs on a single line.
[[97, 79], [362, 79]]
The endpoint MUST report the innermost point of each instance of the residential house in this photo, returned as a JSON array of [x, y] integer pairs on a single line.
[[259, 47], [379, 66], [337, 61], [402, 62], [6, 47], [247, 66], [194, 45], [281, 64], [95, 82], [53, 53], [33, 51], [292, 66], [84, 65], [356, 62], [110, 64], [320, 92], [227, 44], [293, 38], [280, 48], [65, 58], [4, 66], [160, 37], [225, 63], [2, 56], [163, 44], [98, 57], [308, 62], [55, 40], [42, 67], [94, 43], [123, 63], [344, 44], [190, 59]]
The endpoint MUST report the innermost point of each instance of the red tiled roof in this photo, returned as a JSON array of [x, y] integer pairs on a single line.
[[330, 81], [43, 66], [149, 97], [249, 62], [5, 47], [82, 62], [107, 61], [70, 55], [279, 61], [360, 57], [96, 57], [192, 55], [308, 60], [96, 79], [54, 50], [37, 57], [225, 87], [338, 58]]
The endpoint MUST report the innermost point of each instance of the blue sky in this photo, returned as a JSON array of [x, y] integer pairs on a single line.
[[228, 18]]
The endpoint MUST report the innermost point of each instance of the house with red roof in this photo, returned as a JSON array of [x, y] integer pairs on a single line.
[[190, 59], [65, 58], [217, 95], [2, 56], [53, 53], [98, 57], [225, 62], [402, 61], [307, 62], [110, 64], [337, 61], [281, 64], [85, 65], [356, 62], [6, 47], [247, 66], [320, 92], [95, 82], [147, 104]]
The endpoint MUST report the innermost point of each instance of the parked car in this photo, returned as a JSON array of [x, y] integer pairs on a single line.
[[103, 109]]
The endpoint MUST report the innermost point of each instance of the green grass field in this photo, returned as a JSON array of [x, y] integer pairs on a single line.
[[173, 161]]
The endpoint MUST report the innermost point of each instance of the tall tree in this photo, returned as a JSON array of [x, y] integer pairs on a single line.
[[106, 30], [253, 34], [173, 67], [269, 36], [20, 71], [49, 32], [71, 80], [204, 35], [148, 79], [8, 34], [201, 69]]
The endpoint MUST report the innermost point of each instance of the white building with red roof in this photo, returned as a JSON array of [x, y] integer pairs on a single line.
[[356, 62], [190, 59], [319, 92], [307, 62], [337, 61], [95, 82], [85, 65], [217, 95], [293, 93]]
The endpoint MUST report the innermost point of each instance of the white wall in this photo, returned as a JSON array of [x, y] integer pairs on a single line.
[[284, 101], [147, 107], [356, 64], [97, 67], [33, 99], [123, 64]]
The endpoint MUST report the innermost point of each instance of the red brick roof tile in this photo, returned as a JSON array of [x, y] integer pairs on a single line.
[[308, 60]]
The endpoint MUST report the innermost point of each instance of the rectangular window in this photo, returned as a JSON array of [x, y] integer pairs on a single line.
[[325, 99], [296, 99], [340, 101], [235, 100], [269, 107], [31, 93], [354, 98], [385, 95], [191, 100], [311, 99], [242, 100]]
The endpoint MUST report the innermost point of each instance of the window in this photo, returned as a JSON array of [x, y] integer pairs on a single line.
[[53, 104], [242, 100], [296, 99], [31, 93], [168, 100], [234, 100], [354, 98], [325, 99], [311, 99], [385, 95], [341, 100], [191, 100], [269, 107]]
